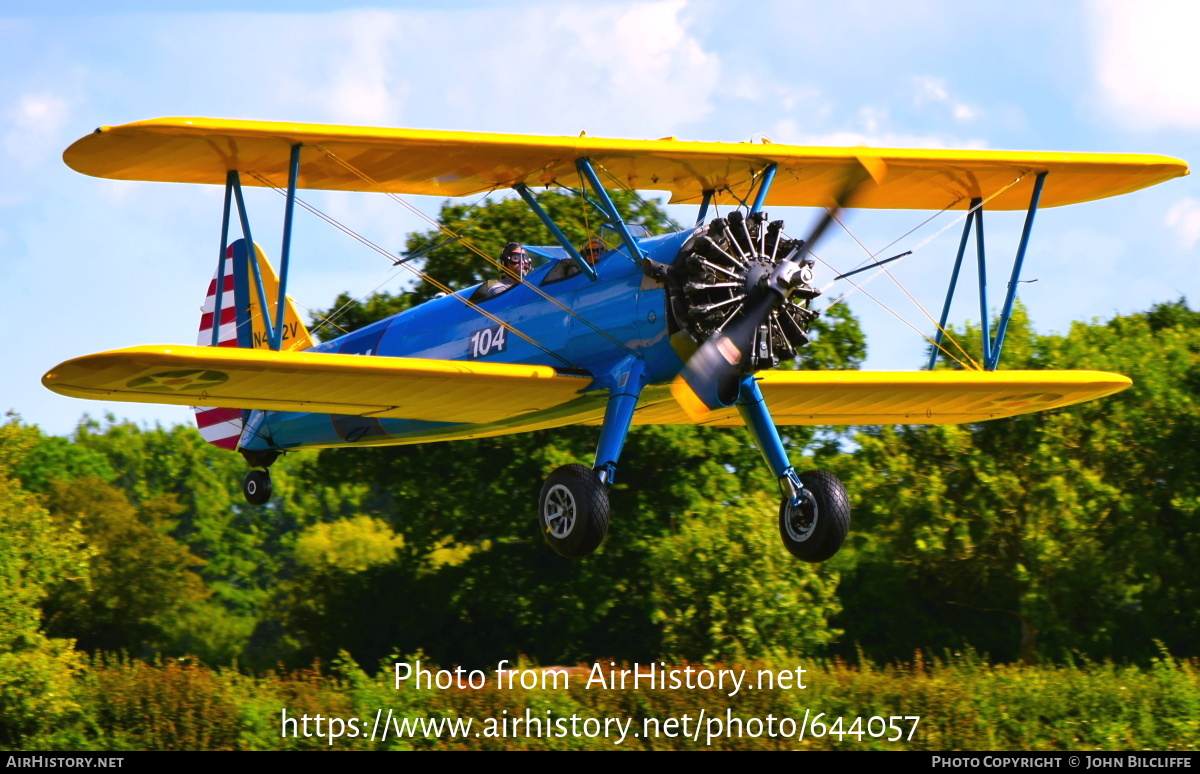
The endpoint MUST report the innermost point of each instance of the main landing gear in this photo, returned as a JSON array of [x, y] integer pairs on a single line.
[[814, 516], [573, 507], [573, 510]]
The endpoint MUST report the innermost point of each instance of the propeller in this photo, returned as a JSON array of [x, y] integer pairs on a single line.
[[712, 376]]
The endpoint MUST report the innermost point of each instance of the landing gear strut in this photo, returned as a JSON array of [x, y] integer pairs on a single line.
[[573, 508], [814, 516]]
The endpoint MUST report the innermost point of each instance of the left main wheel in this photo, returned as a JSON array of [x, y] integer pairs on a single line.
[[573, 511], [815, 529], [257, 487]]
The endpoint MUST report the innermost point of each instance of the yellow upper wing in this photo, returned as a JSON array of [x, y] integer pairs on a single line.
[[438, 163], [899, 397], [410, 388]]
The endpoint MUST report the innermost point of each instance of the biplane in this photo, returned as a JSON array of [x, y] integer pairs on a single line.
[[684, 327]]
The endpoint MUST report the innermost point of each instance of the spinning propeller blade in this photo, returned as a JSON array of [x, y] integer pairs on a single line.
[[710, 379]]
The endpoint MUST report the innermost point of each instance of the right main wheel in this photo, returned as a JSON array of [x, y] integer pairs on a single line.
[[815, 529], [573, 511]]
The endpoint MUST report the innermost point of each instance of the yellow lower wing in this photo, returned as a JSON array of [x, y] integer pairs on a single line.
[[409, 388], [899, 397], [483, 393]]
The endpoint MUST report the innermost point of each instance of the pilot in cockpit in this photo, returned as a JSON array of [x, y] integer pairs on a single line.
[[515, 263]]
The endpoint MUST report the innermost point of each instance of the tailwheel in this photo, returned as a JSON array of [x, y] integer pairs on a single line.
[[257, 487], [573, 511], [814, 529]]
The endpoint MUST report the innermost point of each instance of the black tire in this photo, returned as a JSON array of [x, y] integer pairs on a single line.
[[573, 511], [256, 487], [816, 530]]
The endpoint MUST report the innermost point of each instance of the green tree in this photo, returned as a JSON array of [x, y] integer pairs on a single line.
[[47, 459], [725, 589], [142, 579], [36, 671], [1069, 530], [246, 550]]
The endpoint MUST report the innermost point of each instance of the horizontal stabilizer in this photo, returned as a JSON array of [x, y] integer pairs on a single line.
[[897, 397], [408, 388]]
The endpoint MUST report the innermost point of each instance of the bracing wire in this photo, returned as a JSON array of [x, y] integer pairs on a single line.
[[883, 269], [473, 248], [417, 272], [970, 365], [874, 257]]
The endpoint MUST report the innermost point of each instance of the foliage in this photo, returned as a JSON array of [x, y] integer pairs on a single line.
[[837, 342], [962, 702], [170, 705], [349, 314], [349, 545], [36, 671], [1070, 530], [242, 551], [141, 577], [725, 589], [46, 459]]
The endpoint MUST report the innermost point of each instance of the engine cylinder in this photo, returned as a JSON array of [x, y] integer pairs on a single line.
[[728, 263]]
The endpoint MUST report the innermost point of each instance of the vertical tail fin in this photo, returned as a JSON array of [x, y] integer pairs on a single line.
[[232, 316]]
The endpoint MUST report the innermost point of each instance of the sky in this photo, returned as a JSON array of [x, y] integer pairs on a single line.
[[88, 265]]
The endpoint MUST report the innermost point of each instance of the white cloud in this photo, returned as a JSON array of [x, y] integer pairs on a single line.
[[345, 67], [930, 89], [874, 132], [36, 123], [1144, 62], [871, 118], [1184, 218], [608, 68], [887, 140], [636, 65], [360, 83]]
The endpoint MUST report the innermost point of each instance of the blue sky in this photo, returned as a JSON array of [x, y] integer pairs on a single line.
[[88, 265]]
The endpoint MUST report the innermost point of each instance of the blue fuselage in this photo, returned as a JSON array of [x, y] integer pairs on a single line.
[[582, 325]]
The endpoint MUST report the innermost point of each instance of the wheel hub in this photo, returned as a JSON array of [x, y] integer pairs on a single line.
[[560, 511], [801, 518]]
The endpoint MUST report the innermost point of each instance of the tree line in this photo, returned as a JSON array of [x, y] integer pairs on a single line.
[[1070, 533]]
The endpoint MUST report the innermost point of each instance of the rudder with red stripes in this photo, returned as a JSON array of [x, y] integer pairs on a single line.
[[232, 316]]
